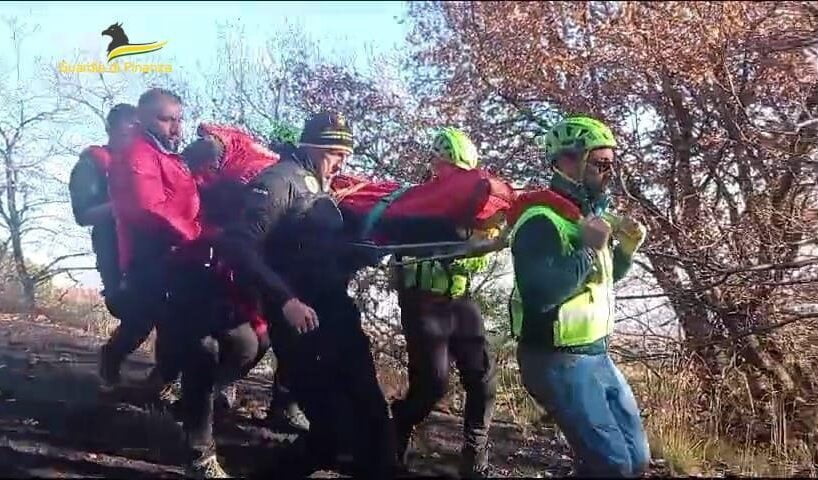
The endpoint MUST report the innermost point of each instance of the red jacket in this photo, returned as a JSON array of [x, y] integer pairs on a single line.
[[154, 198]]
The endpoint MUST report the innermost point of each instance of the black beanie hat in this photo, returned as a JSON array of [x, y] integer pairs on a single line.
[[327, 130]]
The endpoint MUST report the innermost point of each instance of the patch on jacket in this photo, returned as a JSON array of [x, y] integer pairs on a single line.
[[312, 184]]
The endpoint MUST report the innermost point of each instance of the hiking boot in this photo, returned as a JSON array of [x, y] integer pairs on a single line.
[[474, 463], [289, 418], [225, 397], [206, 467]]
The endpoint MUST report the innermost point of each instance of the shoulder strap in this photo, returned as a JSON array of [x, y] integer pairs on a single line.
[[378, 210]]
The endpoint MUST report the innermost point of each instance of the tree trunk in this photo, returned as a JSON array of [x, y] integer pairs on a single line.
[[15, 224], [692, 314], [27, 283], [783, 393]]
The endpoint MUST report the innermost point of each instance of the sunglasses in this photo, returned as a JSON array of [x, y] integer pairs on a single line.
[[602, 167]]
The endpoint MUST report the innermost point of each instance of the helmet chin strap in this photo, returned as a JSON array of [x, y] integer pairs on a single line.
[[591, 194], [566, 177], [580, 180]]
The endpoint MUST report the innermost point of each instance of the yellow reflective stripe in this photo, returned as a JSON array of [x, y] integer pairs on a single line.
[[459, 285], [439, 279], [345, 148], [410, 275], [588, 316], [432, 277], [426, 276], [335, 135]]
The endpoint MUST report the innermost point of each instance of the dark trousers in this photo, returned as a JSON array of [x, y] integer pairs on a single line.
[[262, 345], [199, 335], [281, 395], [221, 357], [331, 374], [139, 305], [439, 330]]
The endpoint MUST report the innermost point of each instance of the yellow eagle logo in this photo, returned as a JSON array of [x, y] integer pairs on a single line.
[[121, 47]]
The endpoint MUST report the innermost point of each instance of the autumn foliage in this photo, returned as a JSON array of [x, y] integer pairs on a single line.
[[715, 107], [710, 101]]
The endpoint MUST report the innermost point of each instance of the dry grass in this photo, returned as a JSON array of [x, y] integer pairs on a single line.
[[90, 316], [692, 438], [513, 401], [683, 429]]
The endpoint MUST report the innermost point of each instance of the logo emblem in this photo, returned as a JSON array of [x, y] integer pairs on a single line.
[[120, 46], [340, 120], [312, 184]]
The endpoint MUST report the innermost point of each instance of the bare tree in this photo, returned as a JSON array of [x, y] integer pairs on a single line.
[[31, 126]]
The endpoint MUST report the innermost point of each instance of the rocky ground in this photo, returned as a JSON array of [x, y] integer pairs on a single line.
[[54, 423]]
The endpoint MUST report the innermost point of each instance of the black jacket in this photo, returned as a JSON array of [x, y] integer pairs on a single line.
[[288, 240]]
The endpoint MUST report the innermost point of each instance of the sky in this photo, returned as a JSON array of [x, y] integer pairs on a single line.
[[71, 31], [191, 28]]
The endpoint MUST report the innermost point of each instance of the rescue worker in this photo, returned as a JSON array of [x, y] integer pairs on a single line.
[[88, 188], [441, 323], [565, 266], [223, 160], [148, 225], [288, 245], [166, 261]]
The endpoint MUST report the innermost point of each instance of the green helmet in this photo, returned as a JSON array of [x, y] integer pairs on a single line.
[[576, 134], [456, 146], [281, 132]]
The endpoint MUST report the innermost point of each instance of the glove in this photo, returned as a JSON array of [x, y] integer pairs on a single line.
[[630, 234], [486, 234]]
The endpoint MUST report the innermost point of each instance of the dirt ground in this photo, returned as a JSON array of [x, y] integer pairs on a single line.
[[55, 424]]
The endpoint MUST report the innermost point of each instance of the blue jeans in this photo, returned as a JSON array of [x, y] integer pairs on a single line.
[[593, 406]]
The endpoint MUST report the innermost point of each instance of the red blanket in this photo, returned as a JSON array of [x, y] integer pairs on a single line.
[[468, 198]]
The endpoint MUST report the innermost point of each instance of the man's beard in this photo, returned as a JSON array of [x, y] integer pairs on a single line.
[[171, 144], [167, 143], [595, 190]]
